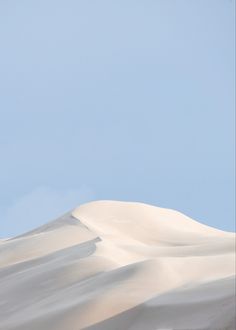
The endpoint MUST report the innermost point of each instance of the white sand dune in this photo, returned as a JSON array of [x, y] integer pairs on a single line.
[[117, 265]]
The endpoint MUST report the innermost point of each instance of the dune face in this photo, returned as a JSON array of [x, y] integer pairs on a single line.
[[117, 265]]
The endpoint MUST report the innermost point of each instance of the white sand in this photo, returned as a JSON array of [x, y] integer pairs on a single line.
[[116, 265]]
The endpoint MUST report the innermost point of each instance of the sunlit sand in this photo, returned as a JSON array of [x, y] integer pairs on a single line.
[[117, 265]]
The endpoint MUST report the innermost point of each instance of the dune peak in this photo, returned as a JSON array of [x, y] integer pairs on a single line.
[[118, 265]]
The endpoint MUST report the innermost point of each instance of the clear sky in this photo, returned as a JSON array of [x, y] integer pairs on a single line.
[[126, 100]]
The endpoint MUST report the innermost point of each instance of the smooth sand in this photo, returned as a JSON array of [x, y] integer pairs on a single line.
[[116, 265]]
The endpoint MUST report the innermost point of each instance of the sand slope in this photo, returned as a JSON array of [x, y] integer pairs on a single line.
[[116, 265]]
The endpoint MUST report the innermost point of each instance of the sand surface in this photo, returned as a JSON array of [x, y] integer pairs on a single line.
[[117, 265]]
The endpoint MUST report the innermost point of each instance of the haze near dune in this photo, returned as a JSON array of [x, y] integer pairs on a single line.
[[118, 265]]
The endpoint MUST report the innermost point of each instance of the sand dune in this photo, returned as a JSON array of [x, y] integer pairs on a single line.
[[117, 265]]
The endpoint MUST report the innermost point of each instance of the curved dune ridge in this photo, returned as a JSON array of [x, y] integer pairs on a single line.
[[116, 266]]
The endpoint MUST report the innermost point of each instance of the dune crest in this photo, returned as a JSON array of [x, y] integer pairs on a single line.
[[118, 265]]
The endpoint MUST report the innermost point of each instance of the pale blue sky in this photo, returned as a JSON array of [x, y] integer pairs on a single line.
[[125, 100]]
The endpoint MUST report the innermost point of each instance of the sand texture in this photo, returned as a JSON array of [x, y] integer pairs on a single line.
[[118, 266]]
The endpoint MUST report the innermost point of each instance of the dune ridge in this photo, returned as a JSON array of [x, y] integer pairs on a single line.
[[118, 265]]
